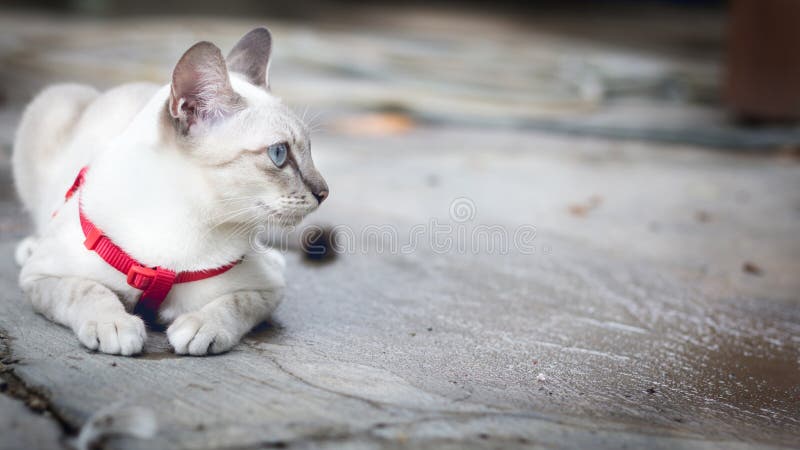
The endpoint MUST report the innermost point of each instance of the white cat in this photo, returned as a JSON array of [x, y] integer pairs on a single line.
[[177, 177]]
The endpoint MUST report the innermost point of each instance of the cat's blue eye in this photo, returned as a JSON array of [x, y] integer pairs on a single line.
[[278, 153]]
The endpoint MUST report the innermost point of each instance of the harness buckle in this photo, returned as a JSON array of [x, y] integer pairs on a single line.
[[154, 283], [141, 277]]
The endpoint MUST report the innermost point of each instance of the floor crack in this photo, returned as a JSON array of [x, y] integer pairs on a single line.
[[34, 399]]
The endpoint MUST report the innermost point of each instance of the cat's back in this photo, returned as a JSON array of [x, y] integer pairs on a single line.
[[111, 113], [62, 130]]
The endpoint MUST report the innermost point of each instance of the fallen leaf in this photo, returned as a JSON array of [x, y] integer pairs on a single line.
[[378, 124], [581, 209]]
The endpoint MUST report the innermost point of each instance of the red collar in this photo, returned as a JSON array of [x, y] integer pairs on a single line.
[[154, 282]]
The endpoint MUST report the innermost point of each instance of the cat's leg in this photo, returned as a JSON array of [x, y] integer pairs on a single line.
[[220, 324], [91, 310]]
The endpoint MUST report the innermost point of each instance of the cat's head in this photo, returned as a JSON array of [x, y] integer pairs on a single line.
[[253, 152]]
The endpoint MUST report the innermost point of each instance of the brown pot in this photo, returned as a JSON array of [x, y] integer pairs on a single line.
[[763, 76]]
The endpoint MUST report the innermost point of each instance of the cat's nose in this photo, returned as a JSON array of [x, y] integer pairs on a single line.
[[321, 195], [316, 184]]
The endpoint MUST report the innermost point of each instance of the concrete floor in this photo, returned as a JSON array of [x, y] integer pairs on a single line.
[[656, 307]]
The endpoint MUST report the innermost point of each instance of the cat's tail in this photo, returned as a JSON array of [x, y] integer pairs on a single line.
[[24, 249], [46, 126]]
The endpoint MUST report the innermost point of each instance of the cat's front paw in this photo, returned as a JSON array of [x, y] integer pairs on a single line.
[[199, 334], [116, 334]]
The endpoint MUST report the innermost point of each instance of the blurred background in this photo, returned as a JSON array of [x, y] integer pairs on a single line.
[[714, 73], [652, 144]]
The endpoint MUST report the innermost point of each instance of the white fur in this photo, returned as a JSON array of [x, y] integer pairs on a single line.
[[180, 202]]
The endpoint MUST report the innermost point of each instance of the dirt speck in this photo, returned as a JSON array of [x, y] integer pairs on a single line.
[[702, 216], [582, 209], [541, 378], [37, 404], [751, 268], [432, 180], [200, 387]]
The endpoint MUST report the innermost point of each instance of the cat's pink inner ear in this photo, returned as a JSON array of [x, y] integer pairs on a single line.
[[201, 89], [250, 56]]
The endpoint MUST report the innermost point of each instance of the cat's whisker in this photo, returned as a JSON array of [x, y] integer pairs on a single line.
[[240, 198], [244, 227], [318, 128], [234, 201], [312, 122], [229, 215], [303, 117], [226, 220], [315, 116]]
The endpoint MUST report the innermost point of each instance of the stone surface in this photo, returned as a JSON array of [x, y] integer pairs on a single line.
[[658, 296], [23, 429], [638, 313]]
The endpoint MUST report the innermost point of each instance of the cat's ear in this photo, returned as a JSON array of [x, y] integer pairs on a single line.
[[201, 89], [250, 56]]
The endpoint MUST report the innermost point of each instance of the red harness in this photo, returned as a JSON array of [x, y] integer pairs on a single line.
[[154, 282]]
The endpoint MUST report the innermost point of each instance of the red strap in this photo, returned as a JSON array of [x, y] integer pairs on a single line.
[[156, 282], [76, 184]]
